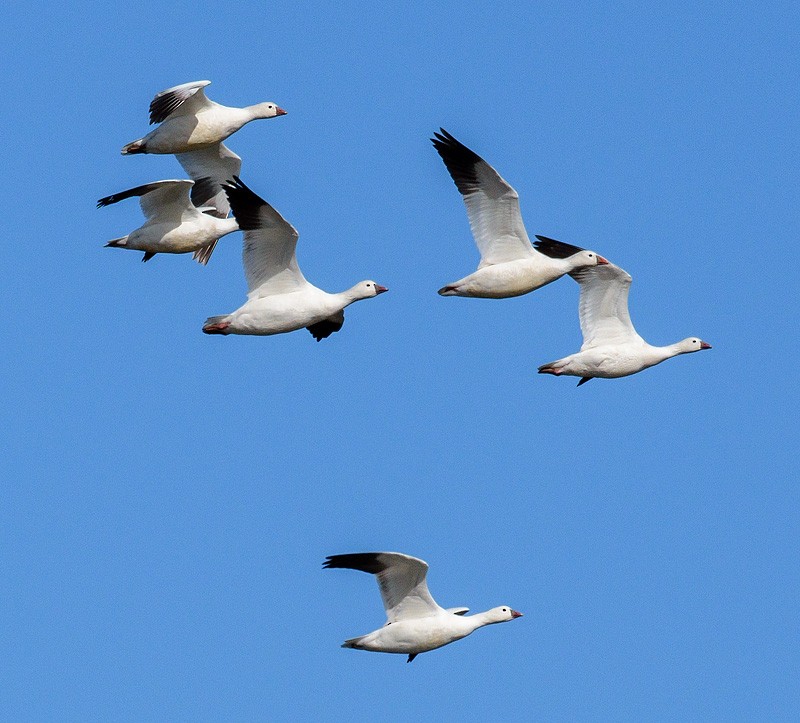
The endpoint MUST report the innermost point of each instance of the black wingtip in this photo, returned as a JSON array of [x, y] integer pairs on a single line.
[[459, 160], [244, 203], [411, 657], [555, 249], [363, 561], [584, 380]]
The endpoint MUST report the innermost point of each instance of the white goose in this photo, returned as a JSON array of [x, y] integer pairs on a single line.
[[173, 225], [415, 623], [510, 265], [279, 299], [611, 347], [189, 120]]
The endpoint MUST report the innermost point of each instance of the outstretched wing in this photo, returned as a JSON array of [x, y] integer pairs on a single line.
[[162, 199], [492, 204], [184, 99], [603, 305], [270, 265], [401, 579]]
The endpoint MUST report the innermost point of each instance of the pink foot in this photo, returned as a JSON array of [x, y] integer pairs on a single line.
[[217, 328]]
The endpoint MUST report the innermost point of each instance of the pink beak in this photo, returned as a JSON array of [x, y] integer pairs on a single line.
[[515, 614], [280, 111], [601, 260], [380, 289], [704, 345]]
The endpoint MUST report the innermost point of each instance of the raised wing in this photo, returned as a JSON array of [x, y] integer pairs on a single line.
[[270, 265], [458, 611], [184, 99], [492, 204], [401, 579], [603, 306], [211, 167], [162, 199]]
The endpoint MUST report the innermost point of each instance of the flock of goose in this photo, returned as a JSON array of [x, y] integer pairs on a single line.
[[190, 216]]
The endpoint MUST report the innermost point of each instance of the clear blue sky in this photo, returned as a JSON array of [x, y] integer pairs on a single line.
[[169, 497]]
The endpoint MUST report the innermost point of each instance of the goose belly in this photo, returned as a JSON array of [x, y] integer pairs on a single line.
[[169, 238], [609, 363], [501, 281], [278, 314], [186, 133], [412, 636]]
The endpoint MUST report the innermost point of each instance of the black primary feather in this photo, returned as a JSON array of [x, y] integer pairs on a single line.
[[245, 204], [459, 160], [130, 193], [555, 249], [364, 561]]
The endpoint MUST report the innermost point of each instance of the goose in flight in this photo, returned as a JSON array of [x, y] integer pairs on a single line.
[[611, 347], [174, 225], [415, 623], [189, 120], [279, 298], [510, 265]]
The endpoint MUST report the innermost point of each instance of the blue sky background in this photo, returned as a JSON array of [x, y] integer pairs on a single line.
[[169, 497]]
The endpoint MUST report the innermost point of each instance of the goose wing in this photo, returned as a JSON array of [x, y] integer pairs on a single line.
[[268, 254], [184, 99], [492, 204], [603, 305], [401, 579], [161, 199]]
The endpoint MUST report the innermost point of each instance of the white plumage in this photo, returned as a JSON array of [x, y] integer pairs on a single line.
[[611, 347], [415, 623]]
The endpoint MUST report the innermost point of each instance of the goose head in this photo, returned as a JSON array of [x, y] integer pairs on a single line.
[[586, 258], [367, 289], [501, 614], [266, 110], [691, 344]]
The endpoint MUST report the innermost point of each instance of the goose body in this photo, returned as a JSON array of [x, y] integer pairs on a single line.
[[510, 265], [189, 120], [415, 622], [279, 299], [173, 224], [611, 347]]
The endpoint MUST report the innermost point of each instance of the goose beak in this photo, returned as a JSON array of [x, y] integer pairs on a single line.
[[601, 260], [704, 345], [515, 614], [280, 111], [380, 289]]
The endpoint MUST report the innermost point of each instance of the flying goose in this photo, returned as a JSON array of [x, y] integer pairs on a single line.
[[510, 265], [189, 120], [279, 299], [415, 623], [611, 347], [174, 225]]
